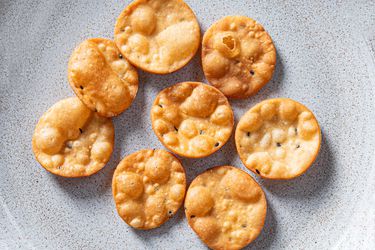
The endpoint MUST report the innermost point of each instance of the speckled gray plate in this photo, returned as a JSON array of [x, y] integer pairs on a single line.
[[325, 60]]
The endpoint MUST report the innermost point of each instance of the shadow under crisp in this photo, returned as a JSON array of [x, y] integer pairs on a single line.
[[316, 180], [269, 232], [224, 156], [171, 224], [129, 120]]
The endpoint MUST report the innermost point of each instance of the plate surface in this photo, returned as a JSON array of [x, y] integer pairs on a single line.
[[325, 60]]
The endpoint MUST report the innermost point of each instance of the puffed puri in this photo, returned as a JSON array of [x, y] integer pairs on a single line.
[[158, 36], [278, 138], [70, 140], [148, 188], [101, 77], [192, 119], [238, 56], [225, 207]]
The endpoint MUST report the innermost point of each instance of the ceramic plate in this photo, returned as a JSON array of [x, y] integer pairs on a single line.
[[325, 60]]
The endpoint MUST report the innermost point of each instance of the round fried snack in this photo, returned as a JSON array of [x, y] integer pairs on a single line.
[[278, 138], [102, 79], [225, 207], [192, 119], [72, 141], [158, 36], [238, 56], [148, 187]]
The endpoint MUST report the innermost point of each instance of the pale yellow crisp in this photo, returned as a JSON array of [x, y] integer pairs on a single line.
[[102, 79], [148, 187], [192, 119], [238, 56], [72, 141], [158, 36], [225, 207], [278, 138]]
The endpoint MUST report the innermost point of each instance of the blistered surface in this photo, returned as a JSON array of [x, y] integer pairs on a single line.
[[323, 61], [192, 119], [238, 56], [99, 75], [159, 36], [148, 188], [72, 141], [225, 207], [278, 138]]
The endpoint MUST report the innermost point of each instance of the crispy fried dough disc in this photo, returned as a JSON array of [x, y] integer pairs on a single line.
[[225, 207], [72, 141], [278, 138], [238, 56], [192, 119], [148, 187], [101, 78], [158, 36]]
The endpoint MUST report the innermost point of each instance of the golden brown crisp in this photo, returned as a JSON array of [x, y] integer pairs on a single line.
[[72, 141], [192, 119], [238, 56], [158, 36], [99, 75], [148, 187], [225, 207], [278, 138]]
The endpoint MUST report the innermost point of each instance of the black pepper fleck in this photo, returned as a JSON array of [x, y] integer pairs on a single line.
[[295, 130], [170, 213], [192, 216], [257, 171], [175, 128], [278, 144], [120, 56], [252, 72], [80, 86], [243, 225], [217, 144], [298, 146], [80, 130], [161, 106], [248, 134]]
